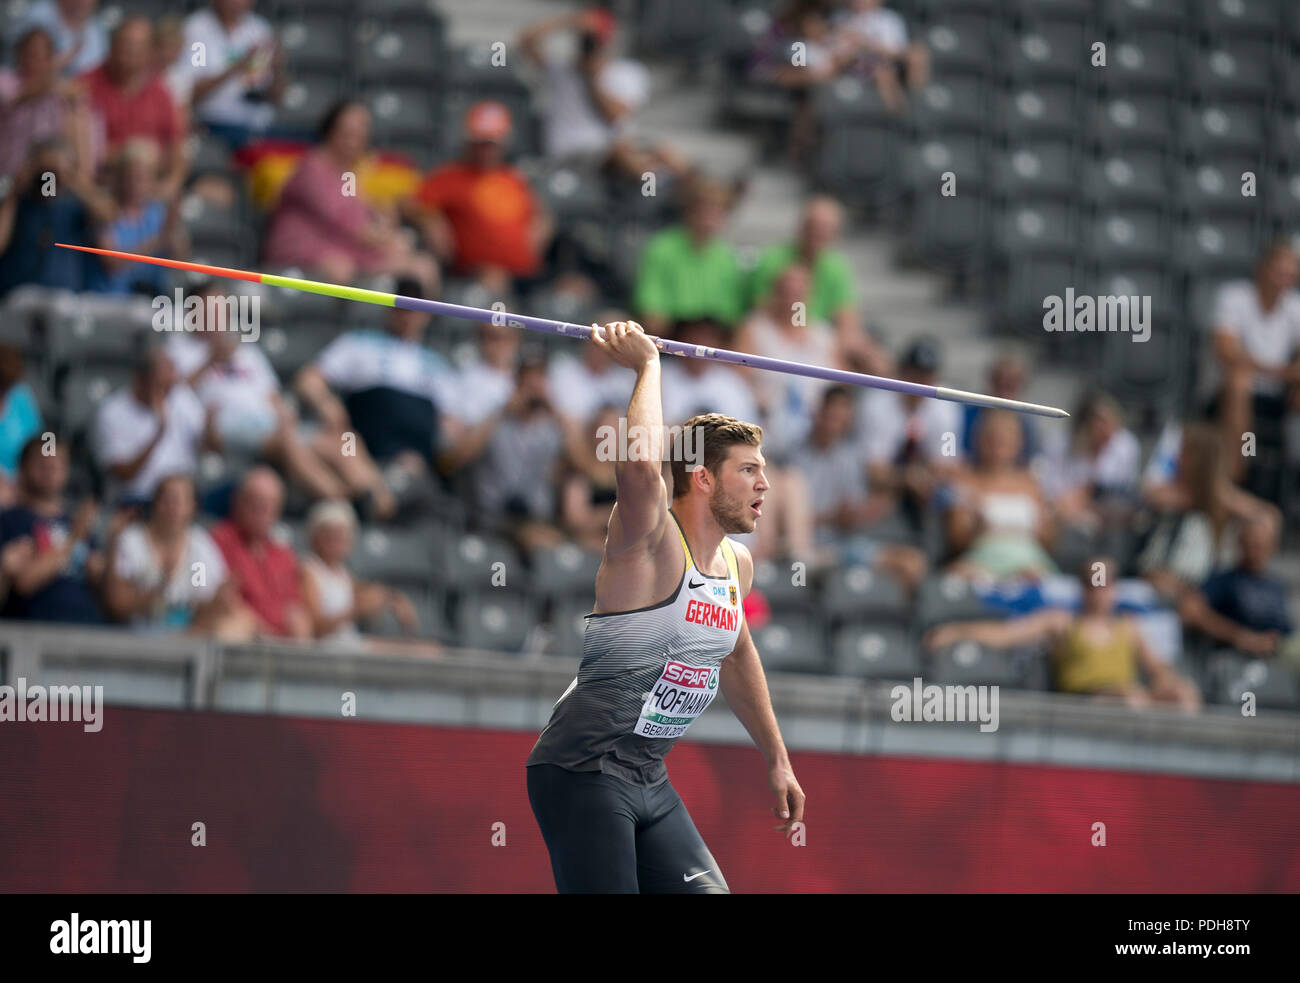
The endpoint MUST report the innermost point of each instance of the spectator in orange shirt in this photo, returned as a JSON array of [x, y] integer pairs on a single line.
[[130, 100], [479, 214]]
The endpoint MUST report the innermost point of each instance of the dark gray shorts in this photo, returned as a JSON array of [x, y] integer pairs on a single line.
[[608, 836]]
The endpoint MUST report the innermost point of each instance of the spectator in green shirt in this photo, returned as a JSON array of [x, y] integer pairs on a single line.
[[833, 298], [688, 271]]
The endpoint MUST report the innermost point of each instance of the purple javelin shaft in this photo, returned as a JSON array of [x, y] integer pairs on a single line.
[[570, 330]]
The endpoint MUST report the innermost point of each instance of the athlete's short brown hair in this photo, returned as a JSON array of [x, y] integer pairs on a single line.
[[719, 433]]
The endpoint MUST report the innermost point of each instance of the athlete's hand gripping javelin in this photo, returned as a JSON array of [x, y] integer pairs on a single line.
[[625, 342]]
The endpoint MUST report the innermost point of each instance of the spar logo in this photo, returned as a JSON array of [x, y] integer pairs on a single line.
[[684, 675]]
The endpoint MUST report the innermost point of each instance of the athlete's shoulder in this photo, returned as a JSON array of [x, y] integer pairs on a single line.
[[744, 566]]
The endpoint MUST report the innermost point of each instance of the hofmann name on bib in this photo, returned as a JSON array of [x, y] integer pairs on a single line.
[[680, 694]]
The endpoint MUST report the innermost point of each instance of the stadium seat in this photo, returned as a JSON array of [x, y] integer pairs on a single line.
[[776, 582], [859, 594], [401, 114], [1034, 111], [954, 103], [792, 642], [307, 97], [1047, 52], [958, 42], [103, 330], [477, 562], [1239, 18], [316, 40], [1217, 247], [946, 598], [1232, 70], [402, 555], [406, 49], [495, 620], [1030, 280], [1129, 121], [211, 226], [950, 231], [969, 663], [1035, 171], [1275, 686], [433, 622], [683, 27], [1219, 130], [851, 99], [566, 570], [1148, 376], [567, 623], [1111, 278], [1146, 61], [1213, 187], [1138, 238], [1040, 229], [1123, 17], [857, 159], [869, 652], [1054, 11], [1283, 197], [1125, 177]]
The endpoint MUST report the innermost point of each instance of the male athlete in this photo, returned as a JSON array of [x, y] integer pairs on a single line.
[[668, 632]]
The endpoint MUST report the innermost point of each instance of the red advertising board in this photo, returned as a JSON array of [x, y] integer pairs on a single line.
[[290, 804]]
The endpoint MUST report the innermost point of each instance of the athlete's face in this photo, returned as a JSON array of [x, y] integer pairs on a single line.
[[738, 491]]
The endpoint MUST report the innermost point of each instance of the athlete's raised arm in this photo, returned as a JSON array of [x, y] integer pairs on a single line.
[[642, 505]]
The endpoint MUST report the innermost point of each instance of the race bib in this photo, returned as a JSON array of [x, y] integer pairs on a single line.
[[679, 695]]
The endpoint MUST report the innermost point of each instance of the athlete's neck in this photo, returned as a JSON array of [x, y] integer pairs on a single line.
[[703, 534]]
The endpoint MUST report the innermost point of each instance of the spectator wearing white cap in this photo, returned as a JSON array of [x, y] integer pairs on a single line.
[[335, 600]]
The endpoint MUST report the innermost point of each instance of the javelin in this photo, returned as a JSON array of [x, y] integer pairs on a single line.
[[582, 331]]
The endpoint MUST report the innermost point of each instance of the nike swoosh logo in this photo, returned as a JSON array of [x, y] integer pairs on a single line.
[[693, 876], [693, 584]]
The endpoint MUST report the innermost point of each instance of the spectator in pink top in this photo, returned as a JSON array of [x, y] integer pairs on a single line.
[[130, 100], [265, 571], [321, 228]]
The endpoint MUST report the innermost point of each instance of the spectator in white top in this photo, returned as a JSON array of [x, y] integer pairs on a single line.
[[698, 385], [1257, 344], [80, 39], [237, 385], [514, 459], [168, 574], [912, 445], [387, 390], [487, 381], [592, 98], [878, 38], [151, 428], [241, 76], [582, 383], [337, 601], [1091, 475]]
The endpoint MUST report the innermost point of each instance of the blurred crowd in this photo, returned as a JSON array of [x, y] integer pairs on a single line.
[[907, 486]]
